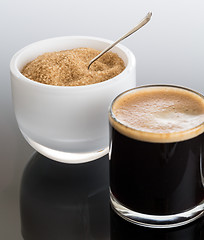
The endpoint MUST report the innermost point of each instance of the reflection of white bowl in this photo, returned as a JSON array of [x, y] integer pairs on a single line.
[[67, 124]]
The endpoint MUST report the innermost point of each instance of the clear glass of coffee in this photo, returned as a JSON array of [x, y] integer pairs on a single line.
[[156, 155]]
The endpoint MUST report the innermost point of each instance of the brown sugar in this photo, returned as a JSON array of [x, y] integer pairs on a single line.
[[70, 67]]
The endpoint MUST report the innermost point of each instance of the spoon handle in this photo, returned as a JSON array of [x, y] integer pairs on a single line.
[[141, 24]]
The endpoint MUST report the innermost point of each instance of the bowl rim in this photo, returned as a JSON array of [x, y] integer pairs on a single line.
[[15, 71]]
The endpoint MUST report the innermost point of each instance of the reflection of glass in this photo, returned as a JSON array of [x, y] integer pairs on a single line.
[[121, 230], [65, 201]]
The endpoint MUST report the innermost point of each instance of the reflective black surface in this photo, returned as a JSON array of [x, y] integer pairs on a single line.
[[62, 201]]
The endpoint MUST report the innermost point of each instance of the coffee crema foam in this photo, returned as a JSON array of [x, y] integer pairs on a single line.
[[159, 114]]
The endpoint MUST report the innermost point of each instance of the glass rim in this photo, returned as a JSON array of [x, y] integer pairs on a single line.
[[159, 137]]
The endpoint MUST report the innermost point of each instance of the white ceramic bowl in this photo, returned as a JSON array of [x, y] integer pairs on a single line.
[[67, 124]]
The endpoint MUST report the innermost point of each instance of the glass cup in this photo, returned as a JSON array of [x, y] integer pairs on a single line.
[[156, 179], [67, 123]]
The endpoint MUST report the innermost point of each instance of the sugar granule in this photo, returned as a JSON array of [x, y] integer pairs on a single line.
[[70, 67]]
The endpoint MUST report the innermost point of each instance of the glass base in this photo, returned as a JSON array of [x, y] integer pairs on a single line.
[[66, 157], [157, 221]]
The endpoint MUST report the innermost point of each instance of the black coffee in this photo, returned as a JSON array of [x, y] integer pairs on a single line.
[[157, 169]]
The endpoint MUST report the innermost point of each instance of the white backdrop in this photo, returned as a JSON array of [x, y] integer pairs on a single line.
[[169, 50]]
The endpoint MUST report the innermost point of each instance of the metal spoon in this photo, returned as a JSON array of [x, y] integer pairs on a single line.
[[141, 24]]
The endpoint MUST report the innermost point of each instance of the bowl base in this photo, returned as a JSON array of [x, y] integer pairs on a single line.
[[67, 157]]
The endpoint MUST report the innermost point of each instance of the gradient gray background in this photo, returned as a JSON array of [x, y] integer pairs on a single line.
[[169, 50]]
